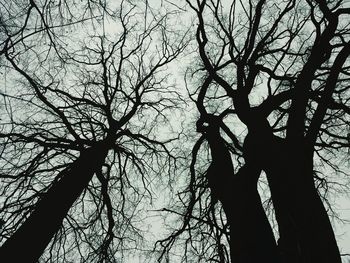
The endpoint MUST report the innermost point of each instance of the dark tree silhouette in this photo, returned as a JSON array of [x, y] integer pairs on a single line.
[[280, 69], [240, 200], [86, 96], [85, 90]]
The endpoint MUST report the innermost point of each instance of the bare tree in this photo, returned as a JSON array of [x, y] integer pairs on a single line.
[[280, 69], [85, 92]]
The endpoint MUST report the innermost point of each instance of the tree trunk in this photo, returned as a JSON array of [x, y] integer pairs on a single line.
[[28, 243], [251, 236], [306, 234]]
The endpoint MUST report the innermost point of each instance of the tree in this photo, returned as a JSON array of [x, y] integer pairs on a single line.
[[281, 71], [85, 92]]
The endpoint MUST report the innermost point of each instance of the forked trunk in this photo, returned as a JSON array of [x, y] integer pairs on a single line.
[[251, 236]]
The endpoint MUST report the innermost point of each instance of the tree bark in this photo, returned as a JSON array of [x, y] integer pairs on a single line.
[[306, 234], [28, 243], [251, 236], [252, 239]]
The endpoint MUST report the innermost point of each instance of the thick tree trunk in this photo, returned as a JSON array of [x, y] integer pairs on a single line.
[[30, 240], [306, 234], [251, 236]]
